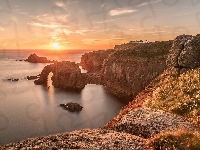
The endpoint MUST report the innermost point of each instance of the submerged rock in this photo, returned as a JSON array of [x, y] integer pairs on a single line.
[[72, 106]]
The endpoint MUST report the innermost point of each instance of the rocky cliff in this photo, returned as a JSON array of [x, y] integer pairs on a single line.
[[126, 72], [66, 75], [185, 53], [93, 61]]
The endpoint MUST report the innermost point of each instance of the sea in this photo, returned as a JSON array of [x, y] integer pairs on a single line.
[[28, 110]]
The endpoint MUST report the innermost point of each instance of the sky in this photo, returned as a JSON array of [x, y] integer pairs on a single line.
[[93, 24]]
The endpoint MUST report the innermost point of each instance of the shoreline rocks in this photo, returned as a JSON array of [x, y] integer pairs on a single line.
[[12, 79]]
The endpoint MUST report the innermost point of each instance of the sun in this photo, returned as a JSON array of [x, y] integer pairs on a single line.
[[56, 46]]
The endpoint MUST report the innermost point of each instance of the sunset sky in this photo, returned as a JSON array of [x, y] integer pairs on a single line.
[[93, 24]]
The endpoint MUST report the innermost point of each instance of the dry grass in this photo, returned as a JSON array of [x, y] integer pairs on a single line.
[[179, 140], [179, 95]]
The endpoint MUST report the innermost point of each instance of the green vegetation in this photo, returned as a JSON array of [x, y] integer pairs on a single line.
[[180, 140], [179, 95], [154, 49]]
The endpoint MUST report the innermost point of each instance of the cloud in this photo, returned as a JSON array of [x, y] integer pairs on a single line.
[[46, 25], [60, 4], [2, 29], [150, 2], [116, 12]]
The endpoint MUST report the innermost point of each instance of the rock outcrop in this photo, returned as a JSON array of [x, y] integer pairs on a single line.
[[44, 74], [72, 106], [32, 77], [93, 61], [147, 122], [126, 72], [12, 79], [185, 53], [66, 75], [82, 139], [33, 58]]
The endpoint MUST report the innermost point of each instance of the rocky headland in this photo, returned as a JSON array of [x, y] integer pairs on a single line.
[[164, 115], [93, 61], [127, 72]]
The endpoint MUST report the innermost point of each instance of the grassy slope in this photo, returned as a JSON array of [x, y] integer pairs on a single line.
[[179, 95]]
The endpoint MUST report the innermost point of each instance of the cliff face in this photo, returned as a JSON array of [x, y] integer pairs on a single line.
[[93, 61], [126, 72]]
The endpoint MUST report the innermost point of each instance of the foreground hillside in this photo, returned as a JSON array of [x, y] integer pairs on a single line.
[[164, 116]]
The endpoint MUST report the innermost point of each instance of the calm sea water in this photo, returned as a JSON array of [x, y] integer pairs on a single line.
[[28, 110]]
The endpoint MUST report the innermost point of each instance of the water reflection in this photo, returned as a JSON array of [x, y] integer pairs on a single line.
[[50, 88]]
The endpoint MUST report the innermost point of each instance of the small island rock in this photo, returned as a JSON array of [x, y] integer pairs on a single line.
[[33, 58], [71, 106]]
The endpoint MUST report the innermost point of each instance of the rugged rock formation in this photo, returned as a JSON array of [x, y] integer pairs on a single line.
[[185, 53], [92, 61], [127, 72], [44, 74], [147, 122], [66, 75], [33, 58], [82, 139], [72, 107]]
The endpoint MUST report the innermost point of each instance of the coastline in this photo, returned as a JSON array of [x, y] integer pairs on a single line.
[[137, 123]]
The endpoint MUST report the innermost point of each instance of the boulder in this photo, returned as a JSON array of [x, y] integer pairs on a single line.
[[72, 106]]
